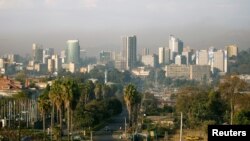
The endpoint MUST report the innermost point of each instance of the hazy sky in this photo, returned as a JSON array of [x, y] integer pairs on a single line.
[[99, 24]]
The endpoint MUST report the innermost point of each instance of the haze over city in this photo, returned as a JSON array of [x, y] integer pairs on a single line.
[[99, 24]]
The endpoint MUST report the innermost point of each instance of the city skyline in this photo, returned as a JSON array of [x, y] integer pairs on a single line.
[[99, 25]]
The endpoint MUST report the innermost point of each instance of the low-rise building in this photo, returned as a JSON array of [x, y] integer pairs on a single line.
[[140, 71], [178, 71], [200, 72], [8, 87]]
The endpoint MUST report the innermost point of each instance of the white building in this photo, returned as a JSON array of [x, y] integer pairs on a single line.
[[161, 55], [150, 60]]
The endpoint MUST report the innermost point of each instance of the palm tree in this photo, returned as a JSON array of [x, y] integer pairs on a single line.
[[44, 106], [98, 91], [132, 99], [230, 88], [70, 94], [56, 97]]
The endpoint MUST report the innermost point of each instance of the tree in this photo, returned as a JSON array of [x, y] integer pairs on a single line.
[[70, 93], [56, 97], [105, 91], [199, 106], [132, 100], [44, 105], [88, 91], [98, 91], [242, 117], [230, 88], [216, 107]]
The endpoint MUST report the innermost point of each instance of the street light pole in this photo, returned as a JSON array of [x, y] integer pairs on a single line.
[[181, 128], [125, 128]]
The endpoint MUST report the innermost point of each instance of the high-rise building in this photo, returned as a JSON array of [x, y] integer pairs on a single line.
[[145, 51], [150, 60], [220, 60], [232, 50], [188, 56], [47, 53], [63, 56], [83, 54], [57, 62], [161, 55], [164, 55], [37, 53], [51, 65], [129, 51], [73, 52], [13, 58], [180, 60], [167, 55], [175, 45], [105, 56], [202, 57], [2, 63]]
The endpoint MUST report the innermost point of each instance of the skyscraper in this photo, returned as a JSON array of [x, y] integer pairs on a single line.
[[167, 55], [37, 53], [162, 55], [129, 51], [220, 60], [73, 52], [175, 45], [47, 53], [202, 57]]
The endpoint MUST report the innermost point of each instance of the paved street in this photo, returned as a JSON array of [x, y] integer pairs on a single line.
[[113, 130]]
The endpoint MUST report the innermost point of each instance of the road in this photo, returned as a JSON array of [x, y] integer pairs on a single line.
[[113, 130]]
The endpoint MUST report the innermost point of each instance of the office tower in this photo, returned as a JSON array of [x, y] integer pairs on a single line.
[[117, 56], [73, 52], [57, 63], [47, 53], [220, 60], [211, 51], [161, 55], [13, 58], [83, 54], [188, 56], [202, 57], [232, 50], [51, 65], [1, 63], [145, 51], [129, 51], [167, 55], [164, 55], [150, 60], [175, 45], [37, 53], [63, 56], [105, 56], [180, 60]]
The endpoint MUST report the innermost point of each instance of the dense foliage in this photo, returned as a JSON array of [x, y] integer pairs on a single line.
[[241, 63]]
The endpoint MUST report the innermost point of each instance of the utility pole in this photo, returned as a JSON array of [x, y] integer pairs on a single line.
[[181, 128], [91, 136]]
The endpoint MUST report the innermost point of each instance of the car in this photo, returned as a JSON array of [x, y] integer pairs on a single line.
[[26, 138]]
